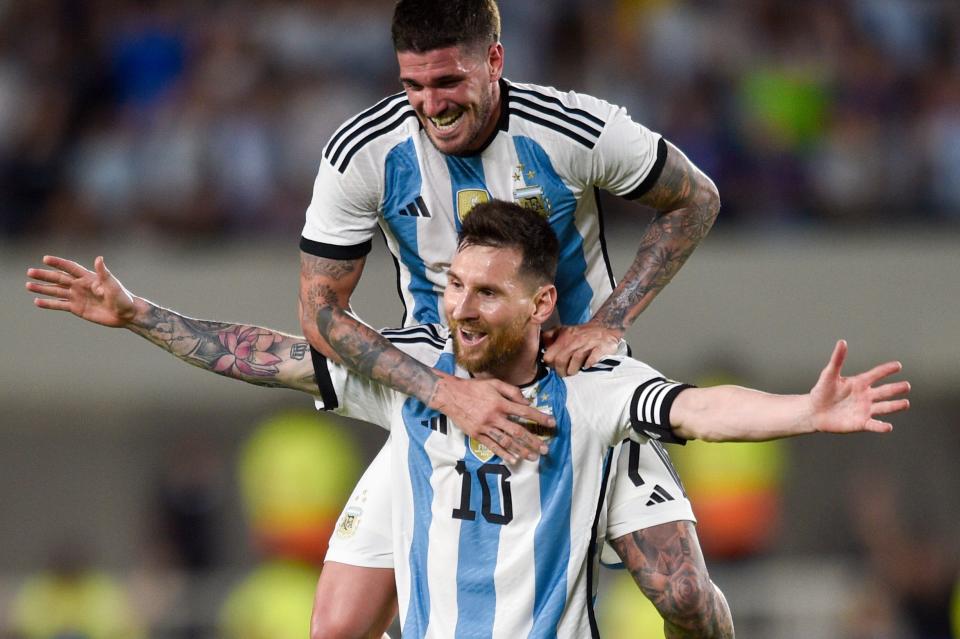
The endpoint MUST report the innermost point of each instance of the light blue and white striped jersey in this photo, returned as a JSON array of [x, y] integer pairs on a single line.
[[493, 550], [551, 151]]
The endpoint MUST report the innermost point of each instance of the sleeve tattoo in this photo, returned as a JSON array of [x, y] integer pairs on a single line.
[[249, 353], [667, 565], [687, 203], [359, 347]]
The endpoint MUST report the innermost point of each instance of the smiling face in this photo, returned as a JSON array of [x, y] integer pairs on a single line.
[[455, 93], [494, 313]]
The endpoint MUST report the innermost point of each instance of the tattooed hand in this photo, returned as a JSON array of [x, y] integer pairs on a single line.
[[252, 354], [94, 296], [572, 348]]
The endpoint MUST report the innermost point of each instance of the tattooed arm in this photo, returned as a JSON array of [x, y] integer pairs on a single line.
[[481, 408], [667, 565], [249, 353], [687, 203]]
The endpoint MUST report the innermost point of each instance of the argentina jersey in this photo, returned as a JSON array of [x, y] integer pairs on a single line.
[[552, 151], [490, 549]]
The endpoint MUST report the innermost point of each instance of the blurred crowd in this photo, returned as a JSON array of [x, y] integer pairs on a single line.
[[197, 119]]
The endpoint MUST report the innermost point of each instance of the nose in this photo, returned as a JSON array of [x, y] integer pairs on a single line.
[[464, 307], [433, 104]]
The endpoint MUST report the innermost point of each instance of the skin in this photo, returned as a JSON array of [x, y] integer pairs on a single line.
[[489, 294]]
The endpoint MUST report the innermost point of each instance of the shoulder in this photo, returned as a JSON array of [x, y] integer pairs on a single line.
[[384, 123], [616, 373], [424, 342]]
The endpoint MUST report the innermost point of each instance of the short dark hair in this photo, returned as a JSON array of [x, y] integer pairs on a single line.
[[425, 25], [503, 224]]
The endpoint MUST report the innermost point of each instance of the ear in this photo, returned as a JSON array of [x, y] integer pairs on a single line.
[[495, 61], [544, 301]]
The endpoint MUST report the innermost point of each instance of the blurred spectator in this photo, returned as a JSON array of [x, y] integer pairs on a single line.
[[74, 600], [186, 118], [912, 565]]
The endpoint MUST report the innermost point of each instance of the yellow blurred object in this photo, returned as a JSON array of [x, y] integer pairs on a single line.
[[623, 612], [273, 602], [296, 471], [955, 611], [735, 489], [89, 604]]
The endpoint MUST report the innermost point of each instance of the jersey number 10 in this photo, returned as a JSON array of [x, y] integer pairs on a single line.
[[502, 474]]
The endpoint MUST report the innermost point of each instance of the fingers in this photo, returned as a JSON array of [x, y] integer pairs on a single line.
[[890, 407], [54, 305], [497, 449], [45, 275], [65, 265], [877, 426], [889, 391], [52, 290], [100, 266], [836, 359], [877, 373]]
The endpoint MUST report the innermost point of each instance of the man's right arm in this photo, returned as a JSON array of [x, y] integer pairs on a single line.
[[479, 408]]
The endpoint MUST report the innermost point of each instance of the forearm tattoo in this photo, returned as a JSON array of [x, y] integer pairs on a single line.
[[668, 566], [359, 347], [249, 353], [687, 206]]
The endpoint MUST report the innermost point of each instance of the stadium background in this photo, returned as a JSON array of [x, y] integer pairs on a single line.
[[180, 140]]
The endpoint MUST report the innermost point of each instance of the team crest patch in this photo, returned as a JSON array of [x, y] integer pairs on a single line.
[[480, 451], [469, 198], [349, 523], [532, 197]]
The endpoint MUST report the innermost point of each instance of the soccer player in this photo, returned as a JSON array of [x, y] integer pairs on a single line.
[[415, 163], [492, 548]]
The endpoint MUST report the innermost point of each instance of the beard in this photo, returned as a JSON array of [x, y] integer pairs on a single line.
[[498, 349], [482, 114]]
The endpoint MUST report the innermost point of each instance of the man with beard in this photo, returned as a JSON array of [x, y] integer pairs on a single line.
[[495, 548], [415, 164]]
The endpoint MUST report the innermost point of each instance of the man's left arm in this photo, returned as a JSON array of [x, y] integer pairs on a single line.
[[687, 203], [668, 566]]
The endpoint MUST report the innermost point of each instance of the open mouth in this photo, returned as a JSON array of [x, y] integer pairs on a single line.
[[446, 122], [471, 338]]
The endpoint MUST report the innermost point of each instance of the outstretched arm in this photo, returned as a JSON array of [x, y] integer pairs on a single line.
[[481, 408], [252, 354], [687, 203], [836, 404]]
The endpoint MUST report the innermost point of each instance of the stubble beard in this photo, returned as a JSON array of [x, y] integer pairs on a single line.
[[500, 349], [483, 112]]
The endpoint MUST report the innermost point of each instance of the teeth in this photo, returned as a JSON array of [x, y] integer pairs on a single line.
[[446, 121]]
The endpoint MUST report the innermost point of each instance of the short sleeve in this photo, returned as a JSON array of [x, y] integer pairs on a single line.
[[343, 213], [629, 157], [636, 399]]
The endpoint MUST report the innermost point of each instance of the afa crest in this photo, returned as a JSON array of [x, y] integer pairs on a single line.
[[469, 198], [349, 523], [480, 451], [532, 197]]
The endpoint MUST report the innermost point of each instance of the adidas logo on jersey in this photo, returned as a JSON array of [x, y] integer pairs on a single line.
[[437, 423], [659, 496], [417, 208]]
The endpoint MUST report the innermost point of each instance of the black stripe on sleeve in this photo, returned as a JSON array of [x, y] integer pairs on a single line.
[[556, 127], [334, 251], [654, 173], [662, 431], [322, 374]]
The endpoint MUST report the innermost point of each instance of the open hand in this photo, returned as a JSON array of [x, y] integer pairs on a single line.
[[572, 348], [488, 410], [96, 296], [850, 404]]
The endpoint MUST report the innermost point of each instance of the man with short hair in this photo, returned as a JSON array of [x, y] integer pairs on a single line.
[[415, 164], [492, 548]]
